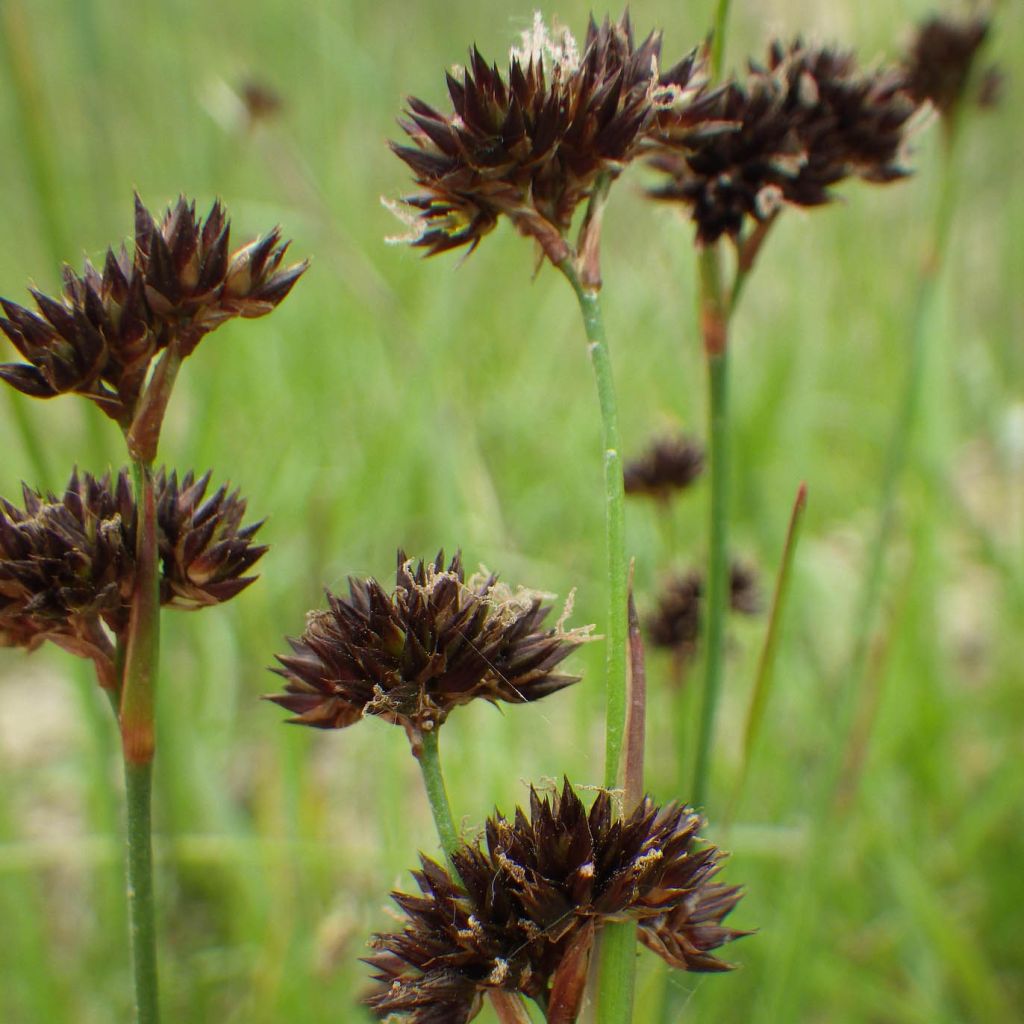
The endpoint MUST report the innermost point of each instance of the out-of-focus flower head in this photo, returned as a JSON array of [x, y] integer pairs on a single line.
[[667, 465], [533, 144], [523, 913], [411, 656], [793, 128], [676, 623], [940, 61]]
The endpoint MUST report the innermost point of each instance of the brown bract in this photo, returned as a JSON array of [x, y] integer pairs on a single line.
[[668, 465], [100, 336], [412, 656], [523, 914], [792, 129], [530, 145], [68, 562]]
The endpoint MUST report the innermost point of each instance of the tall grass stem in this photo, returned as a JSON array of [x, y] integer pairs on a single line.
[[141, 903], [718, 39], [615, 524], [714, 330], [141, 663]]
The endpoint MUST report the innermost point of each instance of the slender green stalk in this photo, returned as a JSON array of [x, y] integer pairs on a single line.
[[714, 329], [617, 948], [143, 648], [433, 780], [718, 39], [141, 904], [138, 744], [617, 973], [615, 500]]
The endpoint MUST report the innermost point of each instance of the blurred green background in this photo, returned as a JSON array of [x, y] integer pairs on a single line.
[[395, 401]]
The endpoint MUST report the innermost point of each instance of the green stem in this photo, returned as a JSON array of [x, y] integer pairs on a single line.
[[718, 39], [615, 524], [617, 973], [138, 783], [433, 780], [143, 648], [138, 743], [714, 328]]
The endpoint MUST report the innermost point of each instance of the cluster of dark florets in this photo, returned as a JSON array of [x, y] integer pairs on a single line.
[[534, 143], [410, 656], [794, 127], [522, 913], [68, 561], [180, 281]]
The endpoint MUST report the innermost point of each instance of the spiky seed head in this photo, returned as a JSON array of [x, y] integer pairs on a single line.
[[792, 129], [410, 657], [99, 337], [68, 561], [206, 552], [529, 899], [531, 144]]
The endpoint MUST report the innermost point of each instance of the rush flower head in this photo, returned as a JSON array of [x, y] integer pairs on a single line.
[[523, 913], [795, 127], [68, 561], [100, 336], [676, 624], [668, 465], [67, 567], [411, 656], [204, 549], [941, 56], [533, 144]]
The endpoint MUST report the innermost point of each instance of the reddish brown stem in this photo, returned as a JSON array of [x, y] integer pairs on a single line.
[[636, 711]]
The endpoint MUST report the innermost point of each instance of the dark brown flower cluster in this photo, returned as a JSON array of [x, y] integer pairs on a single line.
[[941, 57], [101, 335], [532, 145], [68, 562], [522, 915], [410, 657], [796, 126], [677, 622], [668, 465]]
